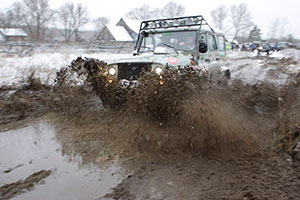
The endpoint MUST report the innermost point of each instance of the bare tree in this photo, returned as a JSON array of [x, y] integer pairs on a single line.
[[156, 13], [172, 9], [18, 13], [72, 18], [81, 17], [100, 22], [4, 22], [241, 19], [277, 29], [140, 13], [65, 16], [34, 14], [273, 29], [7, 19], [219, 17], [283, 25], [2, 19]]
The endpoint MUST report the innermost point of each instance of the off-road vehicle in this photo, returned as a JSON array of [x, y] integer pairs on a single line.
[[170, 43]]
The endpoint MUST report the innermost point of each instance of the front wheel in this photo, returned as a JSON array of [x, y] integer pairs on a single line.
[[224, 78]]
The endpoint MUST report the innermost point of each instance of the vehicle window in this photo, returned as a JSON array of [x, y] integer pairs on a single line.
[[221, 43], [147, 45], [212, 45], [183, 40], [202, 38]]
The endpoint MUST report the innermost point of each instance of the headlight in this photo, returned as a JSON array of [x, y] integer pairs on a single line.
[[158, 70], [112, 71]]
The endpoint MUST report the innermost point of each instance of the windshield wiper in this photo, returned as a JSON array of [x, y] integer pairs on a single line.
[[170, 46], [147, 49]]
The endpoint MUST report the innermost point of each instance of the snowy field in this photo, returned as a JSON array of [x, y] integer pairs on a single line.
[[15, 70], [275, 68], [245, 66]]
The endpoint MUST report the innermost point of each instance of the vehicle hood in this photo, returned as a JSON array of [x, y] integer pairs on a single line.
[[171, 60]]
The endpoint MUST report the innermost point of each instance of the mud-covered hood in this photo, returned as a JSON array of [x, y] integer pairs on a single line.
[[163, 59]]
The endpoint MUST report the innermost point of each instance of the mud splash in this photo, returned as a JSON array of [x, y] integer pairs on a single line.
[[288, 134], [181, 110], [223, 142], [156, 96]]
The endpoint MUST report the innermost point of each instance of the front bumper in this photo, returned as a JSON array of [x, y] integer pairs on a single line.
[[128, 84]]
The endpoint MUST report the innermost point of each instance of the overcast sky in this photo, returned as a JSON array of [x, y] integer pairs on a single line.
[[262, 11]]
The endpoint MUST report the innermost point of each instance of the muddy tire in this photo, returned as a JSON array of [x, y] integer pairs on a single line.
[[224, 78]]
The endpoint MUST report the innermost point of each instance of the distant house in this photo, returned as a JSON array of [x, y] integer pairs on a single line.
[[12, 34], [131, 26], [124, 30], [114, 33]]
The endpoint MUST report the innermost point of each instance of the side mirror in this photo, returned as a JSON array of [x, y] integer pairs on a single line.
[[202, 47], [144, 34]]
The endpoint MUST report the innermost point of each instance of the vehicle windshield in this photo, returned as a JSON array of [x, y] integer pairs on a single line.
[[184, 41]]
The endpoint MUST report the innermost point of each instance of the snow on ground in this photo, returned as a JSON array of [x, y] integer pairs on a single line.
[[245, 66], [15, 70], [288, 53], [251, 69]]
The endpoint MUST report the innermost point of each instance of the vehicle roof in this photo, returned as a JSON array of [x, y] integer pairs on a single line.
[[203, 29], [178, 24]]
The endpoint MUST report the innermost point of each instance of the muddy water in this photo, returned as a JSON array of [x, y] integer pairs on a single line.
[[33, 148]]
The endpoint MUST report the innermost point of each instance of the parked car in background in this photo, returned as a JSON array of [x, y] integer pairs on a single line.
[[246, 47], [274, 46], [264, 47], [291, 45], [298, 46], [282, 45]]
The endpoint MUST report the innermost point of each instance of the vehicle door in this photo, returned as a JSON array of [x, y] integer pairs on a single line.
[[213, 53], [203, 57], [221, 47], [212, 48]]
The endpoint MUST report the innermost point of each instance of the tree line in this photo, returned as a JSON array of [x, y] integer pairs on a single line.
[[35, 16], [236, 20], [171, 9]]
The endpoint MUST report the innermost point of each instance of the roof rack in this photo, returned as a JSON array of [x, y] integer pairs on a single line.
[[174, 23]]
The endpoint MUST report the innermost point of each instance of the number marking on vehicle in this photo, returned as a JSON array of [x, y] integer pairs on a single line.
[[172, 60]]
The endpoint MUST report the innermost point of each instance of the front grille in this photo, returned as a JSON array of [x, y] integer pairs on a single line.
[[131, 71]]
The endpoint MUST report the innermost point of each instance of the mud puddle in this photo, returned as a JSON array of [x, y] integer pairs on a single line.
[[34, 147]]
